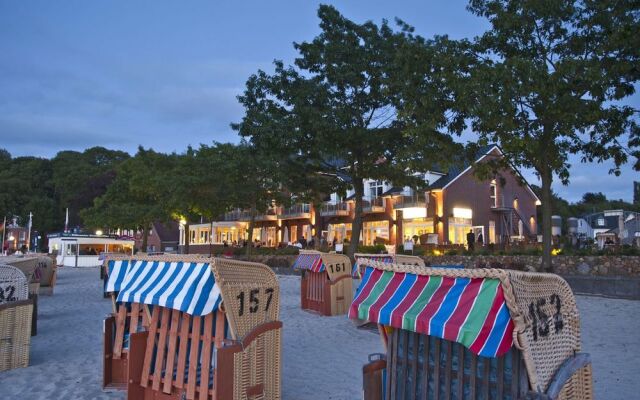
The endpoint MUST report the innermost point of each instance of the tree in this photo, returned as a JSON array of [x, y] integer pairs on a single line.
[[27, 188], [135, 198], [336, 111], [548, 83], [78, 178]]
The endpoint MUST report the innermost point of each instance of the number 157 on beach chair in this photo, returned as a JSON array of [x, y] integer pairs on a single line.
[[471, 334]]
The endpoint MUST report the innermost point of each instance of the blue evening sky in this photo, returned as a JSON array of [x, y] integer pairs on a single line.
[[164, 74]]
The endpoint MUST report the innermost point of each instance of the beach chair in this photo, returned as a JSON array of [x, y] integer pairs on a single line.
[[362, 259], [326, 282], [48, 275], [215, 334], [127, 318], [471, 334], [16, 309]]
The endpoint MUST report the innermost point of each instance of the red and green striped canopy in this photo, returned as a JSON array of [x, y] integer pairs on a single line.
[[470, 311], [312, 262]]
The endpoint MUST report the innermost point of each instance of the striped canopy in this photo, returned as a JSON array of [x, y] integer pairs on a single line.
[[470, 311], [116, 271], [185, 286], [312, 262], [384, 258]]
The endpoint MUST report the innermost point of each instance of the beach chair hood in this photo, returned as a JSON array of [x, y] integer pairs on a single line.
[[336, 265], [486, 310]]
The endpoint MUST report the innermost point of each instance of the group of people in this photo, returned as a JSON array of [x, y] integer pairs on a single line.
[[472, 240]]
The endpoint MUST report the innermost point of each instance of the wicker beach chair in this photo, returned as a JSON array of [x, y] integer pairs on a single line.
[[326, 282], [362, 259], [216, 335], [127, 318], [16, 310], [472, 334]]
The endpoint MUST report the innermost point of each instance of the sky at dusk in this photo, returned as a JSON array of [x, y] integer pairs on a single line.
[[77, 74]]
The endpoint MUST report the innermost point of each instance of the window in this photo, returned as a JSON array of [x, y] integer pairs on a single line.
[[373, 230], [376, 188], [493, 193], [492, 231], [600, 221]]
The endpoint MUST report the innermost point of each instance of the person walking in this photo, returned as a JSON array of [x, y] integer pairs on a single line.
[[471, 240]]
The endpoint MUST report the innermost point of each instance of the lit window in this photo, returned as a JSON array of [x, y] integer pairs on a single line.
[[493, 193]]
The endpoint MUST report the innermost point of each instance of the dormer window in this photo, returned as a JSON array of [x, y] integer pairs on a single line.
[[600, 221], [376, 188], [493, 190]]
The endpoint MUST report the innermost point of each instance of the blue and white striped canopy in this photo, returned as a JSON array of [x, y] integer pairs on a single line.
[[117, 269], [185, 286]]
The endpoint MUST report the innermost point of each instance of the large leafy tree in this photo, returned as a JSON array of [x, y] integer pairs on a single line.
[[550, 78], [337, 103], [27, 188], [79, 177], [136, 197]]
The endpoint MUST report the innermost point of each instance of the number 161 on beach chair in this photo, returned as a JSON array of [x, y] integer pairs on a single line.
[[326, 282], [471, 334]]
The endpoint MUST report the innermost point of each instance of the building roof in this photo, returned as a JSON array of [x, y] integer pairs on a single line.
[[456, 170], [167, 231]]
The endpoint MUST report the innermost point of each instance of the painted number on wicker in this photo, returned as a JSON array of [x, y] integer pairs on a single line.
[[540, 319], [341, 267], [7, 293], [254, 300]]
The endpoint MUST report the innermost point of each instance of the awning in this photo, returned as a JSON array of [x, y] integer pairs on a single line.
[[116, 271], [185, 286], [469, 311], [312, 262], [384, 258]]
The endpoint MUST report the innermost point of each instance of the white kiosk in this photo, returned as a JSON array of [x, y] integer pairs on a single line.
[[77, 250]]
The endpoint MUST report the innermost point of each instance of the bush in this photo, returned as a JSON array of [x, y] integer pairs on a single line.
[[377, 249]]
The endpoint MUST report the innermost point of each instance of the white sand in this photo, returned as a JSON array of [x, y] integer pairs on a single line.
[[323, 356]]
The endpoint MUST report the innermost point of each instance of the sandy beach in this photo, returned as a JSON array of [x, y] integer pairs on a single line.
[[322, 356]]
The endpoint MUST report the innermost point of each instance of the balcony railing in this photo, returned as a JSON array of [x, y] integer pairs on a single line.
[[234, 215], [245, 215], [331, 209], [295, 211], [415, 200], [374, 205]]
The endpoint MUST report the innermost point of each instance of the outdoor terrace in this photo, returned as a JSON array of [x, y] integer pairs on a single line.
[[334, 209]]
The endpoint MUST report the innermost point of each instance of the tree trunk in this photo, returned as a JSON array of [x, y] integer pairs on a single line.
[[145, 237], [187, 238], [317, 206], [252, 222], [358, 187], [546, 177], [211, 240]]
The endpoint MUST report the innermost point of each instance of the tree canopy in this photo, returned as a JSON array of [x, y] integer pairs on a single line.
[[548, 83]]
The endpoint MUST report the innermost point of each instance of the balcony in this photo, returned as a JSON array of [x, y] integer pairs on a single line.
[[413, 201], [245, 215], [295, 212], [375, 205], [334, 210], [234, 215]]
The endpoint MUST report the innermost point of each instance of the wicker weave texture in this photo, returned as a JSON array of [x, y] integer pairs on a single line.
[[259, 364], [27, 264], [250, 294], [15, 334], [13, 284], [545, 315]]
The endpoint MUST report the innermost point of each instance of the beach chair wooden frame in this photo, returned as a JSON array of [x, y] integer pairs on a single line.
[[326, 285], [125, 320], [16, 311], [542, 359], [232, 353]]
